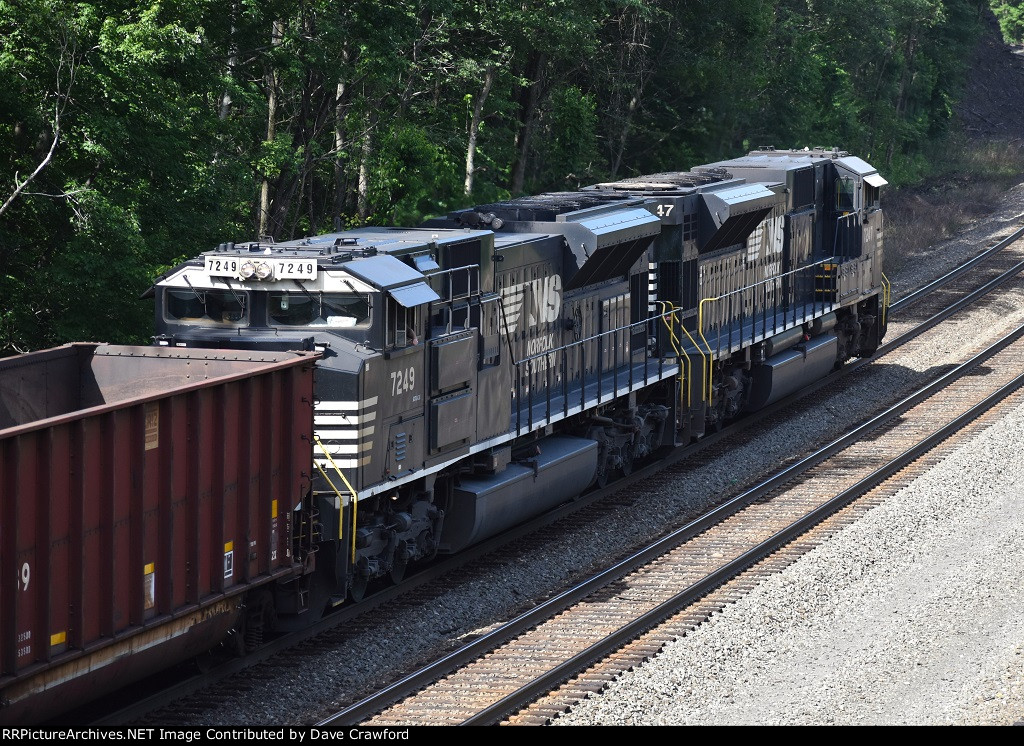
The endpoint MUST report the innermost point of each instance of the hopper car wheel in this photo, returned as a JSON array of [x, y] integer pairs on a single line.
[[257, 622], [427, 539], [235, 644], [205, 662]]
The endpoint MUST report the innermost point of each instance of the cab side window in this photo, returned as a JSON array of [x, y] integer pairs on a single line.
[[872, 197], [403, 325], [844, 194]]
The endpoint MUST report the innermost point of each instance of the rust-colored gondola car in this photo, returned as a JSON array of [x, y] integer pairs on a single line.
[[145, 497]]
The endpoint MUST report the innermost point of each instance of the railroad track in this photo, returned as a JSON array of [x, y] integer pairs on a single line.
[[352, 619], [527, 671], [996, 261]]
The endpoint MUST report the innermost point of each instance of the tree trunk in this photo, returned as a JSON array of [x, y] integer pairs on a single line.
[[474, 129], [225, 100], [363, 196], [340, 106], [627, 120], [67, 67], [276, 35], [909, 51], [629, 78], [529, 102]]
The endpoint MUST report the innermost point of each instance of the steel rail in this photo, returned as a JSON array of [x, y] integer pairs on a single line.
[[913, 297], [514, 701]]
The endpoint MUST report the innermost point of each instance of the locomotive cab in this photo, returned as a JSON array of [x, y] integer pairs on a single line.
[[400, 371]]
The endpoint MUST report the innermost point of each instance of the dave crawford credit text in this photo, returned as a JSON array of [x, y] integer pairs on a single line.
[[299, 735]]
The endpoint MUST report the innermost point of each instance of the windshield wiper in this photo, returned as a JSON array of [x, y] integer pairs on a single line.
[[301, 287], [239, 299], [196, 293]]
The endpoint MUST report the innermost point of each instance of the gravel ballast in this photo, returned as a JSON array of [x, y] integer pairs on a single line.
[[909, 616]]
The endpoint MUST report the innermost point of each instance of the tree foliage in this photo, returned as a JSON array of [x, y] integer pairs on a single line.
[[1010, 14], [134, 133]]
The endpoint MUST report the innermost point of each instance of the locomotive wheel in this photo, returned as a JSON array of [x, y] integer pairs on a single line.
[[400, 564], [627, 460], [257, 621], [601, 476], [358, 587], [870, 345], [716, 424]]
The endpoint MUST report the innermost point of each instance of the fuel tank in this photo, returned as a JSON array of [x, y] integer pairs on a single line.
[[485, 506], [782, 374]]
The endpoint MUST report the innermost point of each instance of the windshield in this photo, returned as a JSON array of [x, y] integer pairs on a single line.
[[219, 306], [323, 309]]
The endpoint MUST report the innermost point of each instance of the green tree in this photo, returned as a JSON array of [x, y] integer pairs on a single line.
[[1010, 14], [134, 133]]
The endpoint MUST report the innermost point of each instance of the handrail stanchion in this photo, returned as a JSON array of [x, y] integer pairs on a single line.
[[583, 376], [615, 362], [547, 390], [529, 411], [565, 381], [627, 351], [519, 398]]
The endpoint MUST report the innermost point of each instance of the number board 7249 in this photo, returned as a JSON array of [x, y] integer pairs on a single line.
[[280, 268]]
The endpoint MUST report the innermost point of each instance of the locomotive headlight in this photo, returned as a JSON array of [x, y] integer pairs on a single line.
[[263, 271], [247, 270]]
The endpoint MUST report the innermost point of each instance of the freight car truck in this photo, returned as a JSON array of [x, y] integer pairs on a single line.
[[146, 497]]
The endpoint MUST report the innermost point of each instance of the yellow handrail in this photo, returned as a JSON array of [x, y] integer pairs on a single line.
[[886, 297], [700, 331], [355, 502], [665, 306], [676, 347]]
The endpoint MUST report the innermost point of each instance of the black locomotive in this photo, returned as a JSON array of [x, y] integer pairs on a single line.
[[488, 365]]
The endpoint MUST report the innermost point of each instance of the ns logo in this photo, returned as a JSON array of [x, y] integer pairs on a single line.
[[540, 299]]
